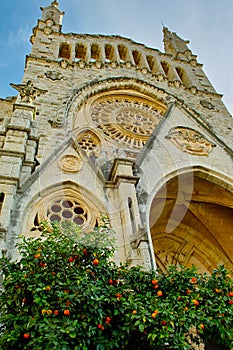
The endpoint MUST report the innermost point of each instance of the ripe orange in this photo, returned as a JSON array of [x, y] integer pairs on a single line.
[[110, 281], [134, 312], [217, 290], [26, 335], [56, 312], [193, 280], [37, 256], [154, 282], [159, 293], [202, 326], [95, 262], [66, 312], [100, 326], [230, 294], [195, 302]]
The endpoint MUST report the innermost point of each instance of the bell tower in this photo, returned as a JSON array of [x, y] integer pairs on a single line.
[[48, 27]]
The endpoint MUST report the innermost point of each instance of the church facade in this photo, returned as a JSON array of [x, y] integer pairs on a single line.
[[106, 127]]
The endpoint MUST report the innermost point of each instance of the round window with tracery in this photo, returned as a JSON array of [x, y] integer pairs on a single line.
[[64, 209], [126, 120], [66, 205]]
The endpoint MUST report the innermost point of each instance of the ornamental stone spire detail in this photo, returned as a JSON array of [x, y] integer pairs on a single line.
[[28, 92]]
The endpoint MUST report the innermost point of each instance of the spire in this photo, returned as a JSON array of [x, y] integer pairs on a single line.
[[53, 13], [50, 22], [175, 46]]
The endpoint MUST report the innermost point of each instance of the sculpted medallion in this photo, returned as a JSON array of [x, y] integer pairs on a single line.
[[190, 141], [70, 163]]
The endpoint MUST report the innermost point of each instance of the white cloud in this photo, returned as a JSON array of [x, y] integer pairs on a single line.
[[21, 36]]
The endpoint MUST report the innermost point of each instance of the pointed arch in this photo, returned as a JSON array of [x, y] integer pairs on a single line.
[[191, 220], [64, 202]]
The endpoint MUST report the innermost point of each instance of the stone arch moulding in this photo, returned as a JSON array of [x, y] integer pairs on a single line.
[[149, 90], [200, 214], [88, 90], [65, 201]]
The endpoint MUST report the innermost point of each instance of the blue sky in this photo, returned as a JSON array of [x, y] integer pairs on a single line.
[[207, 24]]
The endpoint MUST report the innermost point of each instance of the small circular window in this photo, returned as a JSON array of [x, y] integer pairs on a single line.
[[66, 205], [71, 210]]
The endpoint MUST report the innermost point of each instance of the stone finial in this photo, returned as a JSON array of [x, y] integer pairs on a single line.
[[28, 92], [55, 3], [173, 44], [52, 12]]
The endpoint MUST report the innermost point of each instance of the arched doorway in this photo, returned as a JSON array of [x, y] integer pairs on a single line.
[[191, 221]]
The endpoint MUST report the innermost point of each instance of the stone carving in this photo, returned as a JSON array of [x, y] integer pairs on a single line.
[[206, 104], [48, 30], [64, 63], [70, 163], [28, 92], [128, 121], [56, 122], [190, 141], [53, 75]]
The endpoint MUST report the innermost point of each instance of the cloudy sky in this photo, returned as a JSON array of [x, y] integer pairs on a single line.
[[208, 24]]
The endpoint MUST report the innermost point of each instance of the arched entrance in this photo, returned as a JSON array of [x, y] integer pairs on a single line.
[[191, 221]]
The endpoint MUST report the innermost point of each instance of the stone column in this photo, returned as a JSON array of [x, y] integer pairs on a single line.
[[121, 178]]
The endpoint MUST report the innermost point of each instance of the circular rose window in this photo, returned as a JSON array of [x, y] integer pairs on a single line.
[[64, 209], [127, 120]]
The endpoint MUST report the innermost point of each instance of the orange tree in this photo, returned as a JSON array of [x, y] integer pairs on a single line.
[[67, 293]]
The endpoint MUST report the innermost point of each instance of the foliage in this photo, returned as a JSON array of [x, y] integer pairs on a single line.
[[67, 293]]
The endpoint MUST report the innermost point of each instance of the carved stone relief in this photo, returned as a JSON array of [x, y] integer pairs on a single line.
[[206, 104], [28, 92], [190, 141], [70, 163], [53, 75]]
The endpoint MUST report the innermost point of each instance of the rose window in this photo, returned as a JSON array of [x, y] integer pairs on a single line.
[[66, 205], [126, 120], [136, 122], [67, 209]]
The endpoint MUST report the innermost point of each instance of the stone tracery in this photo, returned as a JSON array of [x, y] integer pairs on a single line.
[[127, 120]]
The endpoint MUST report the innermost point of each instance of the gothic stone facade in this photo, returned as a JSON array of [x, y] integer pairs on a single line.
[[104, 126]]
